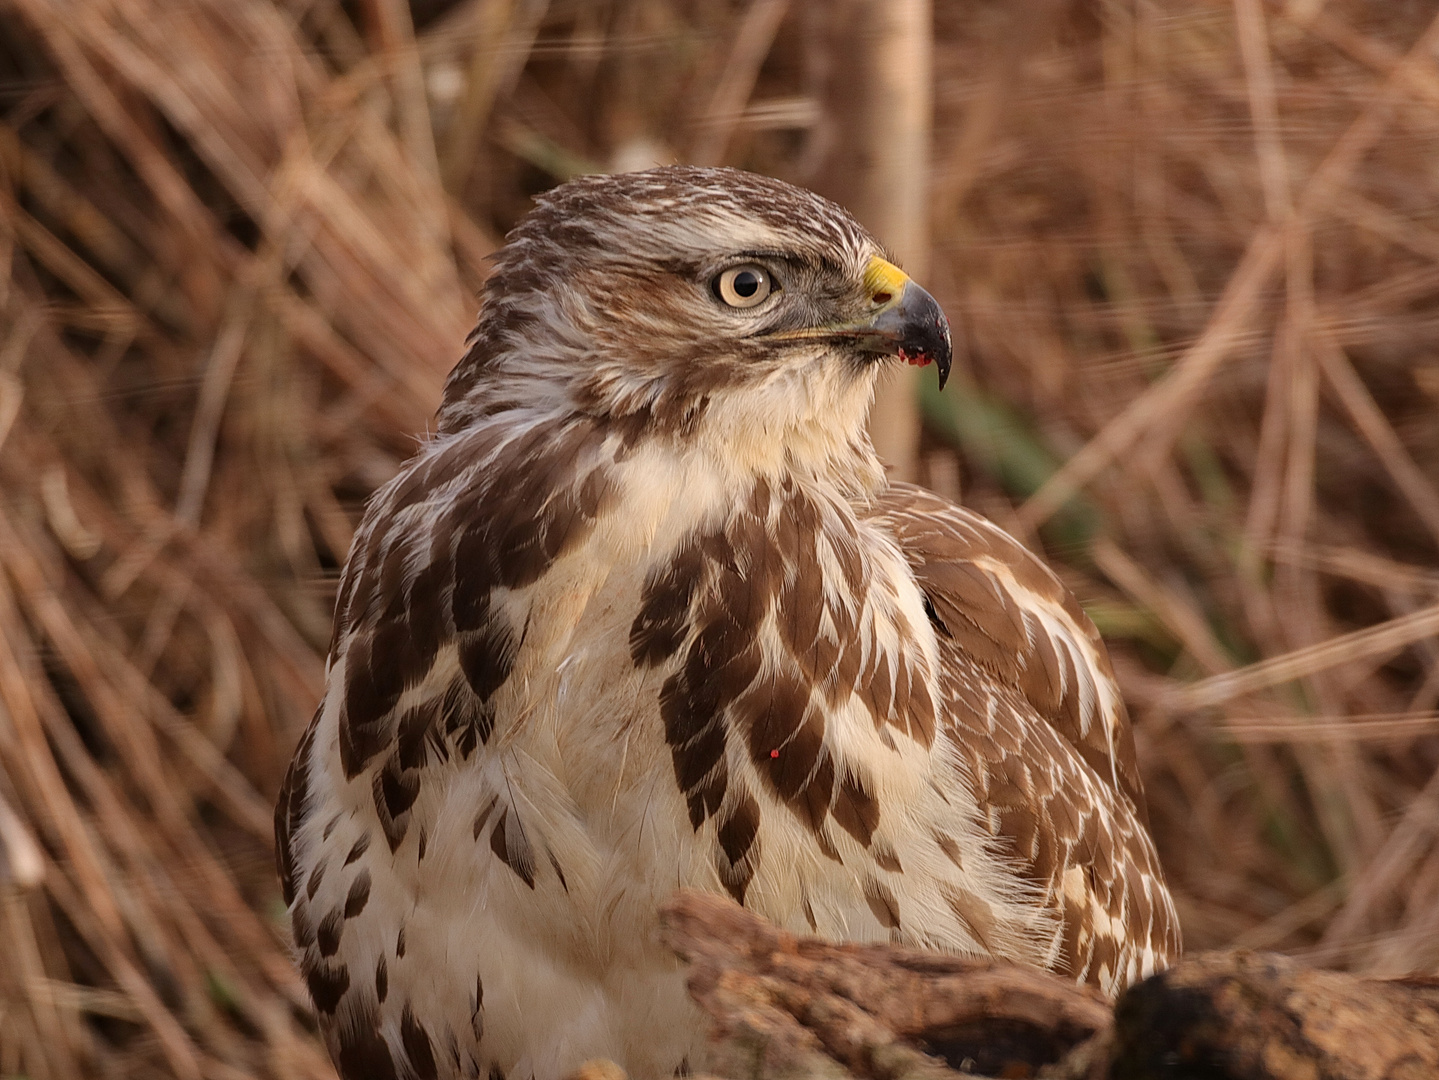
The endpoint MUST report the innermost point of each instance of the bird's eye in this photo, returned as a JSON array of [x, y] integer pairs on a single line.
[[744, 286]]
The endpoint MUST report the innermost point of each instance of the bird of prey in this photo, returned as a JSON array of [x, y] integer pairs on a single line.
[[644, 613]]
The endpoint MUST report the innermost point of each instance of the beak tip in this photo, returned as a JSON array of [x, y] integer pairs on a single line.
[[944, 354], [912, 327], [924, 331]]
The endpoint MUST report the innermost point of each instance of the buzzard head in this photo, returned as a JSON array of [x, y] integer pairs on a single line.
[[676, 298]]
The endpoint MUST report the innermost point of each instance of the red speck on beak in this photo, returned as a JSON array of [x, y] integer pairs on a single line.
[[917, 360]]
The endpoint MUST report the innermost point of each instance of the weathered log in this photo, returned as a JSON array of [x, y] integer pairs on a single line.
[[784, 1006], [1261, 1016]]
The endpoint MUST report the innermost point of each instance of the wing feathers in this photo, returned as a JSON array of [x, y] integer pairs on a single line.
[[1029, 697], [1013, 616]]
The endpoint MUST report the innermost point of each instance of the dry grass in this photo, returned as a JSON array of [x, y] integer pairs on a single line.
[[1194, 252]]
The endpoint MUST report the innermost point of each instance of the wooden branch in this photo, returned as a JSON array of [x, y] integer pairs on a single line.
[[879, 1011], [1261, 1016], [783, 1006]]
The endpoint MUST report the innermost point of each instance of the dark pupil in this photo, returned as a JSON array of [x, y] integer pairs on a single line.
[[746, 283]]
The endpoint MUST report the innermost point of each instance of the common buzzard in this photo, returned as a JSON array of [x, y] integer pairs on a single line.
[[645, 613]]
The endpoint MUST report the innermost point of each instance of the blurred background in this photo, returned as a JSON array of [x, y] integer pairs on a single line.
[[1191, 252]]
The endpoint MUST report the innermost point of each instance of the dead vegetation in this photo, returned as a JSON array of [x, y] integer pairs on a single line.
[[1192, 249]]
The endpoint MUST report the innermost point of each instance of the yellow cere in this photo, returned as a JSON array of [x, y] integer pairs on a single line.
[[881, 276]]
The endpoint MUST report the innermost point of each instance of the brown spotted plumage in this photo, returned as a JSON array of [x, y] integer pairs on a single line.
[[645, 614]]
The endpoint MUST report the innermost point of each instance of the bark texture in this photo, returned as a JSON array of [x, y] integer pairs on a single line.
[[1260, 1016], [782, 1006]]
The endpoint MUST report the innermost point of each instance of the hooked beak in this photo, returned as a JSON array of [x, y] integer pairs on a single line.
[[910, 324], [904, 321]]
